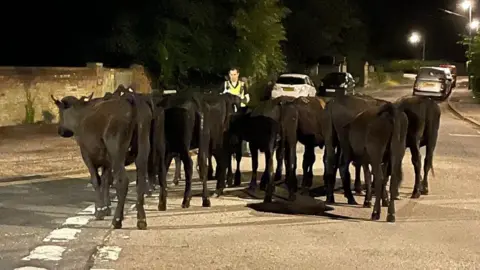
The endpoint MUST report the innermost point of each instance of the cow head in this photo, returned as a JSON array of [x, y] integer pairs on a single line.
[[122, 90], [70, 112]]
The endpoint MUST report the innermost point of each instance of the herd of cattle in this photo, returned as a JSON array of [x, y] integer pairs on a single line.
[[149, 130]]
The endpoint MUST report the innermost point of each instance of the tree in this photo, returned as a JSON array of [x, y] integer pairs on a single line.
[[473, 56], [259, 32], [318, 28]]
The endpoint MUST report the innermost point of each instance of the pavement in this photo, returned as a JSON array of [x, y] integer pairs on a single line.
[[465, 105], [46, 222]]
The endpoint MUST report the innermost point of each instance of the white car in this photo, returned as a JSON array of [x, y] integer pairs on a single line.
[[294, 85]]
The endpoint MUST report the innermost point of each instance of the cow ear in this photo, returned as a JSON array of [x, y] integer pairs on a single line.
[[56, 101]]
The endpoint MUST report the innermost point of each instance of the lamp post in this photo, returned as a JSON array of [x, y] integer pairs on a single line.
[[467, 6], [416, 38]]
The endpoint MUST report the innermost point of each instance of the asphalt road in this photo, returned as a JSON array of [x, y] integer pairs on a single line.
[[438, 231]]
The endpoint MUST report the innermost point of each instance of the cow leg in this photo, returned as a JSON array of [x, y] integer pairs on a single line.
[[307, 164], [329, 161], [270, 182], [417, 165], [428, 163], [280, 156], [229, 168], [358, 182], [203, 154], [178, 164], [221, 158], [378, 181], [385, 170], [346, 181], [253, 181], [290, 169], [162, 178], [210, 168], [96, 183], [368, 183], [188, 168], [238, 158], [105, 186]]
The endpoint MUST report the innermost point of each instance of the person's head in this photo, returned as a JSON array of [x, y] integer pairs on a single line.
[[233, 74]]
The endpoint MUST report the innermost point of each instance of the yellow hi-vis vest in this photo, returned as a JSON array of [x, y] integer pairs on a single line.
[[236, 90]]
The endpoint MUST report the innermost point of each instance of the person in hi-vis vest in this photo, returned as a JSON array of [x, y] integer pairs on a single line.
[[236, 87]]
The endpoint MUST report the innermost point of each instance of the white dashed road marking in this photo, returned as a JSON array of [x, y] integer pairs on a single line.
[[77, 221], [30, 268], [46, 253], [109, 253], [62, 235]]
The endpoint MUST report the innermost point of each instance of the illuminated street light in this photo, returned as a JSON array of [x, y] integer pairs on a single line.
[[416, 38], [466, 5], [474, 24]]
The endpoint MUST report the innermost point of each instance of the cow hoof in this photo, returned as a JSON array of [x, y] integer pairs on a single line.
[[424, 191], [186, 204], [141, 224], [117, 224], [385, 203], [229, 183], [108, 211], [100, 215], [305, 191], [263, 187], [352, 201], [390, 218], [176, 181], [330, 200], [367, 204], [162, 207], [415, 195], [206, 203], [219, 192], [237, 183], [375, 216]]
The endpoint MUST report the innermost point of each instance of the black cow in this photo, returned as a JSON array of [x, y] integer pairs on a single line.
[[262, 127], [341, 111], [104, 132], [423, 123], [186, 127], [309, 126], [375, 137], [145, 116]]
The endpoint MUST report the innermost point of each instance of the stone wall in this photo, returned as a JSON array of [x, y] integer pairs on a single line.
[[20, 84]]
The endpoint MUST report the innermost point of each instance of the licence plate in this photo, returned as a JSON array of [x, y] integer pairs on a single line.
[[330, 90], [288, 89], [428, 85]]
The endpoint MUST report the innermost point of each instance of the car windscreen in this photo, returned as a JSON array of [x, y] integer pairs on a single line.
[[290, 80], [335, 78], [427, 73]]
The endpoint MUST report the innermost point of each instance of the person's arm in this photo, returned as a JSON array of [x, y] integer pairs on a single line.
[[224, 88], [245, 93]]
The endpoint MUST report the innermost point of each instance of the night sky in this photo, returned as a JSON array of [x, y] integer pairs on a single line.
[[67, 33]]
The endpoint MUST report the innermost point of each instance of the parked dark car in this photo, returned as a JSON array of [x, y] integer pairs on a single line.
[[337, 84], [433, 82]]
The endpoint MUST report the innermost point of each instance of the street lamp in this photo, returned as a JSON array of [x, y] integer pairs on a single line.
[[473, 25], [416, 38]]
